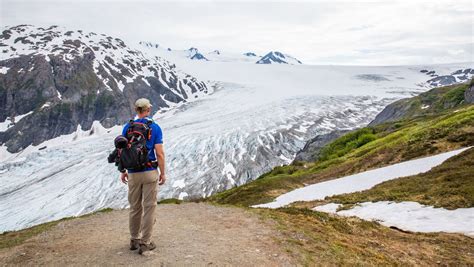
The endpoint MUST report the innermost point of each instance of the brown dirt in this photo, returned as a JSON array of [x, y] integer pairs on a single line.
[[186, 234]]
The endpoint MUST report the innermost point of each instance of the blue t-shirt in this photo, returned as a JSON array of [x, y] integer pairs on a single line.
[[156, 138]]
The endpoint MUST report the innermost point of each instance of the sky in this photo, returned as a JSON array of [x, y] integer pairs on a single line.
[[316, 32]]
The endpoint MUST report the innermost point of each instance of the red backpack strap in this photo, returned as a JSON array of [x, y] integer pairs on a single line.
[[130, 126]]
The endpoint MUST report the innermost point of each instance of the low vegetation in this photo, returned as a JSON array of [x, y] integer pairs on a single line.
[[316, 238], [449, 185], [170, 201]]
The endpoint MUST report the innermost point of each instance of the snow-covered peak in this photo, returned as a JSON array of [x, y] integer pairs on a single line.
[[250, 54], [275, 57], [113, 61], [194, 53], [96, 76]]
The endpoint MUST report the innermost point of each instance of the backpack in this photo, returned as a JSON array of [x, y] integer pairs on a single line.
[[135, 154]]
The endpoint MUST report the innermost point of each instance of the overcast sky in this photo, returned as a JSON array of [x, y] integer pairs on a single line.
[[316, 32]]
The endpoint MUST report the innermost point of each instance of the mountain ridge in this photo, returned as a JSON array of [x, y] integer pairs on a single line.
[[76, 78]]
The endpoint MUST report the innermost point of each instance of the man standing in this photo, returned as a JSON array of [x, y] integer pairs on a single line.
[[142, 184]]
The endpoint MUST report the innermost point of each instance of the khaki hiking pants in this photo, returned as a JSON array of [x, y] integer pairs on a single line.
[[142, 190]]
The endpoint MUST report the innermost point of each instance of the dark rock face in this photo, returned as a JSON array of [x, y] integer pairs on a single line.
[[198, 56], [442, 80], [250, 54], [469, 93], [461, 75], [312, 148], [65, 79], [393, 112]]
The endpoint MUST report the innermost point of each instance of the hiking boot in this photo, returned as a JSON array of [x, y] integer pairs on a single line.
[[134, 244], [146, 247]]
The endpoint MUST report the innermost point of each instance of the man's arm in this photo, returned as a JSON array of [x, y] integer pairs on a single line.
[[160, 156]]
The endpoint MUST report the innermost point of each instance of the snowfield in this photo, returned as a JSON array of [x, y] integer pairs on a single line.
[[411, 216], [258, 117]]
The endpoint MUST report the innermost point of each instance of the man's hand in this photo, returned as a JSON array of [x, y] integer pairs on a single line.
[[124, 177], [162, 179]]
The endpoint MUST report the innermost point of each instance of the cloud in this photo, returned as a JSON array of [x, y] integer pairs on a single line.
[[318, 32]]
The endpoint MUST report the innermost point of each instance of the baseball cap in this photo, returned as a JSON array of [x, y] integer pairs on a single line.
[[143, 103]]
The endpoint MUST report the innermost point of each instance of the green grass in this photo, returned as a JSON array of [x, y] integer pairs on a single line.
[[315, 238], [449, 185], [347, 143], [433, 131], [170, 201], [15, 238]]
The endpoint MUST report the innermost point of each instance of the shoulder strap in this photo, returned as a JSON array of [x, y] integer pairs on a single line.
[[130, 125], [148, 124]]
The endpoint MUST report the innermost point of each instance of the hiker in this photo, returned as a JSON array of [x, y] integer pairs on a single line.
[[142, 183]]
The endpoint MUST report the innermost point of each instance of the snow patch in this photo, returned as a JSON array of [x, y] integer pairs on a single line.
[[182, 195], [179, 184], [229, 172], [4, 70], [9, 122], [360, 181], [411, 216]]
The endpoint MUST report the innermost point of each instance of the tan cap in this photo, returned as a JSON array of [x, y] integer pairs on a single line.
[[143, 103]]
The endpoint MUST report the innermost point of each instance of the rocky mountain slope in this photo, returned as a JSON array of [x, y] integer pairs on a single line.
[[432, 102], [53, 81]]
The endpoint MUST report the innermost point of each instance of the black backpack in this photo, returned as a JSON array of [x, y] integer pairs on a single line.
[[135, 154]]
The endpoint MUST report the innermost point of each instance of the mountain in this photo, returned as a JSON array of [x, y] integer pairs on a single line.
[[196, 54], [458, 76], [275, 57], [53, 81], [199, 56], [432, 102], [250, 54]]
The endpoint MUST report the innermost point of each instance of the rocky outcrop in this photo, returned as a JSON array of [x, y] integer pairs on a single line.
[[312, 148], [393, 112], [63, 79], [469, 94], [458, 76]]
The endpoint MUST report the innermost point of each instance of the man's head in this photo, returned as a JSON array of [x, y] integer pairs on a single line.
[[143, 107]]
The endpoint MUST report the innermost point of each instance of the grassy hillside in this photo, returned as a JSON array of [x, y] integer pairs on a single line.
[[449, 185], [433, 102], [319, 239], [425, 132]]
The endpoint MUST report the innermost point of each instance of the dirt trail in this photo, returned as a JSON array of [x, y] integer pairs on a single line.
[[186, 234]]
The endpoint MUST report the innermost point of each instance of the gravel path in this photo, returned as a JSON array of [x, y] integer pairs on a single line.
[[187, 234]]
